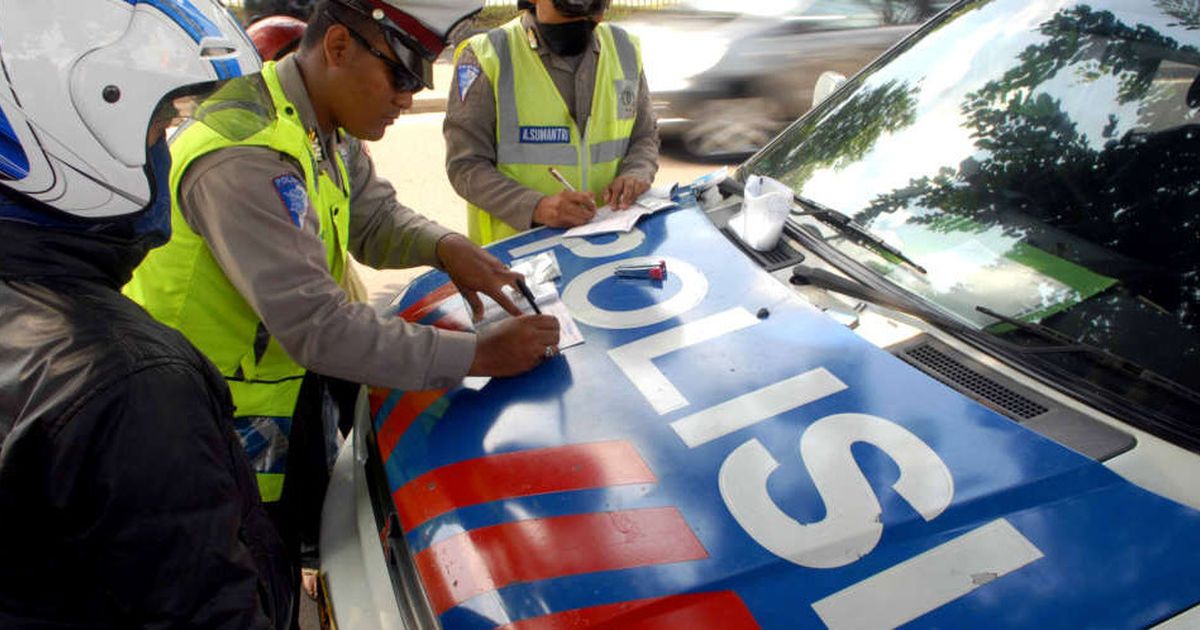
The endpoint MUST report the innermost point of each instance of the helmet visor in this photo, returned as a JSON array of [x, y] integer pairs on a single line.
[[176, 107], [236, 108]]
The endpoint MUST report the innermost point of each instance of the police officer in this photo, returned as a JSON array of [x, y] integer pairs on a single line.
[[270, 187], [125, 498], [556, 87]]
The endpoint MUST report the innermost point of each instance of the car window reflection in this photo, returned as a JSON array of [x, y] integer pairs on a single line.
[[1056, 157]]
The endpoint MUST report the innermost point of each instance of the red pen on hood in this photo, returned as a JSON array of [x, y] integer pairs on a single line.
[[654, 272]]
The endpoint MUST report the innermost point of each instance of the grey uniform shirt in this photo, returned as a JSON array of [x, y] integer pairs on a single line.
[[230, 199], [470, 131]]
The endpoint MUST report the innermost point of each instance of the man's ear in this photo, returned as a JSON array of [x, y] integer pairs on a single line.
[[336, 45]]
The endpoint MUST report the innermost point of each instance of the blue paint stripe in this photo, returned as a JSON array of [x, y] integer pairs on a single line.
[[197, 26], [185, 14], [14, 163], [227, 69], [386, 408], [406, 461]]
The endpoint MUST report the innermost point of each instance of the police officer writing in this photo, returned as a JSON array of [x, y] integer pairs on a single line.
[[125, 498], [555, 87], [270, 186]]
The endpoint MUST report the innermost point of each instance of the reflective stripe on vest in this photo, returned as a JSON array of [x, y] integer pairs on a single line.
[[182, 285], [534, 127]]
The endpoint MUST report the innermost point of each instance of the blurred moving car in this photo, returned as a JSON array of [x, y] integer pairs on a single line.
[[960, 393], [727, 76]]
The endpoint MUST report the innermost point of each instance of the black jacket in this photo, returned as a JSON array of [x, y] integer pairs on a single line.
[[125, 498]]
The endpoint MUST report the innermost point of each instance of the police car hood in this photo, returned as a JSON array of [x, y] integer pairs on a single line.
[[718, 453]]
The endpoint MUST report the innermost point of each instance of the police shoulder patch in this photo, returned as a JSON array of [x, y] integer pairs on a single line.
[[626, 98], [294, 195], [467, 73]]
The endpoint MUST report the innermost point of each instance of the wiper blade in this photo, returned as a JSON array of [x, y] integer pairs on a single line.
[[1044, 332], [1063, 344], [851, 228], [834, 218], [822, 279]]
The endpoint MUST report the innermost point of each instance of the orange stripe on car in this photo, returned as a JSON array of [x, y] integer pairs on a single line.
[[410, 406], [481, 560], [720, 609], [519, 474], [419, 309]]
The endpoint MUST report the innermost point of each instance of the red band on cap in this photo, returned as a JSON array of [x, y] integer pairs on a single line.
[[418, 31]]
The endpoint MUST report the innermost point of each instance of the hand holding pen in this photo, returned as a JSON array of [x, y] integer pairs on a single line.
[[567, 208], [524, 289]]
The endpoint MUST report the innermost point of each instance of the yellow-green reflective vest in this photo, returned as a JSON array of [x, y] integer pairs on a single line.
[[182, 285], [534, 128]]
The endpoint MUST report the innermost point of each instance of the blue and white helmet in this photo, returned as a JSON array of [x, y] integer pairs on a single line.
[[82, 82]]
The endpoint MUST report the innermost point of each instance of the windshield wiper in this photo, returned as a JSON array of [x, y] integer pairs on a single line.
[[851, 228], [820, 278], [1064, 344], [839, 221], [823, 279]]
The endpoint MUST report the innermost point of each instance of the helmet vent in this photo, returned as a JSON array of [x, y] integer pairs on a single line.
[[217, 51]]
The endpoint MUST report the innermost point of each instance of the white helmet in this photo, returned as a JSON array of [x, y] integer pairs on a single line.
[[81, 82]]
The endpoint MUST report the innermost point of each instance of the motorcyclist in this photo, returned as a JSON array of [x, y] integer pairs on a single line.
[[126, 500]]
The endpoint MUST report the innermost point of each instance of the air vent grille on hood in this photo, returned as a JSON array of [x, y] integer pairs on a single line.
[[1016, 401], [954, 371]]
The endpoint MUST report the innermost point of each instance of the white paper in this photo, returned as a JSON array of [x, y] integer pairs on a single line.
[[540, 271], [538, 268], [609, 220], [548, 301]]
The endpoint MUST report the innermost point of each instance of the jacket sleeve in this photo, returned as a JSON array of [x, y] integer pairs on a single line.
[[641, 158], [150, 476], [276, 261], [384, 233], [470, 132]]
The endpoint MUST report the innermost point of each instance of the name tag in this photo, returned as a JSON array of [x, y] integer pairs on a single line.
[[545, 135]]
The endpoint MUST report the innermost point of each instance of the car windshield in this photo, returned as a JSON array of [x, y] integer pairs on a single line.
[[1040, 159]]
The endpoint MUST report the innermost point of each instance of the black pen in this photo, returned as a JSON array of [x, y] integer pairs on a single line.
[[528, 295]]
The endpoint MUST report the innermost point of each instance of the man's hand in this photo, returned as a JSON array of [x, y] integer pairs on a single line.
[[515, 345], [624, 190], [473, 270], [568, 208], [308, 582]]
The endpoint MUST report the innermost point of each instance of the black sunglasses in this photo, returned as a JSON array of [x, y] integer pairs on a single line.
[[403, 79]]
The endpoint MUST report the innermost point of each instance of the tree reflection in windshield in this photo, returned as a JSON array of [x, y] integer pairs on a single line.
[[1084, 147], [1134, 193], [847, 134]]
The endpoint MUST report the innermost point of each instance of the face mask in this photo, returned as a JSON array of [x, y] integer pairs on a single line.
[[569, 38]]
